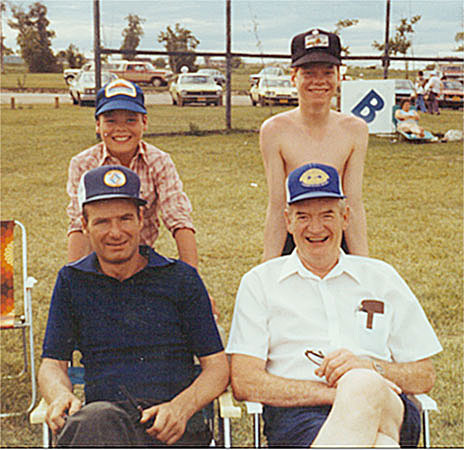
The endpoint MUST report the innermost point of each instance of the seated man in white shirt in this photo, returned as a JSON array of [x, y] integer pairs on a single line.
[[330, 343]]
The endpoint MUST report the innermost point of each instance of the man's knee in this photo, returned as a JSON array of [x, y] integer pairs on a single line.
[[366, 387]]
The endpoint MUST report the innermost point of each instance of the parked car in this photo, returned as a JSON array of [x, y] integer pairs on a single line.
[[195, 88], [403, 89], [71, 74], [270, 71], [218, 76], [82, 89], [453, 94], [142, 72], [275, 90]]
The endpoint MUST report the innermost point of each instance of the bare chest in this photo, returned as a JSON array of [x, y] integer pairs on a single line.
[[331, 148]]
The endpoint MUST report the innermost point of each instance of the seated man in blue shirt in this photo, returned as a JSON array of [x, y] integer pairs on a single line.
[[329, 342], [138, 319]]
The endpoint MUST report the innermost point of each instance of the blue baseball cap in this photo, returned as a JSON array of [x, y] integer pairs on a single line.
[[120, 94], [313, 181], [108, 182]]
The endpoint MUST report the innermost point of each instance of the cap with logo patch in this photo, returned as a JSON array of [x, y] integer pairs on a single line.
[[316, 46], [109, 182], [313, 181], [120, 94]]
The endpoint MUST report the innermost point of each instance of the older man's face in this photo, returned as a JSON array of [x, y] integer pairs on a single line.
[[317, 227]]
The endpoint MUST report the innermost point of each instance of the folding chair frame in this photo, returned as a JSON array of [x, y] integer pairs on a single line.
[[423, 401], [25, 324]]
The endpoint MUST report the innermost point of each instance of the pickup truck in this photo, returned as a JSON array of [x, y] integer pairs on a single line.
[[142, 72]]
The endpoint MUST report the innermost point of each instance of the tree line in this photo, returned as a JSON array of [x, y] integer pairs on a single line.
[[35, 38]]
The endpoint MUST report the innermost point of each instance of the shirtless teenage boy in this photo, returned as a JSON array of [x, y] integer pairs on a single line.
[[311, 133]]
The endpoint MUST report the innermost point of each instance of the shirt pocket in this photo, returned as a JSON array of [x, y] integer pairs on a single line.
[[372, 326]]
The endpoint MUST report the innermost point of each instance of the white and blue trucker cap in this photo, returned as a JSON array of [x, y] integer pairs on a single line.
[[313, 181], [108, 182]]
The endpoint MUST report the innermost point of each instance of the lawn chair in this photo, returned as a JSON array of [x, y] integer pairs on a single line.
[[428, 136], [10, 320], [424, 403]]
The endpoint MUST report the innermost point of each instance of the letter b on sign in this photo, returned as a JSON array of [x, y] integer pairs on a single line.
[[366, 109]]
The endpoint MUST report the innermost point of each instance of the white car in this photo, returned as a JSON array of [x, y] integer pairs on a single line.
[[82, 89], [270, 71], [275, 90], [195, 88]]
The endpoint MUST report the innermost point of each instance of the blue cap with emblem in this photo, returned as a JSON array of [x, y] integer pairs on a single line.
[[313, 181], [108, 182], [120, 94]]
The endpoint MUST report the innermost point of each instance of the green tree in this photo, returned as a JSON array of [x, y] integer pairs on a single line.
[[34, 38], [459, 38], [72, 56], [132, 34], [401, 42], [179, 40], [339, 26], [159, 63]]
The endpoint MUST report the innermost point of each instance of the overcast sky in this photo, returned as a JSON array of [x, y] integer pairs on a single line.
[[257, 25]]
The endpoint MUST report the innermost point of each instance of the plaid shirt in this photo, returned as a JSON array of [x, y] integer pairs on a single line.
[[160, 186]]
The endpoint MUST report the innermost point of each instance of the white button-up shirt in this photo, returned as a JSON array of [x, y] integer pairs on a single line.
[[283, 309]]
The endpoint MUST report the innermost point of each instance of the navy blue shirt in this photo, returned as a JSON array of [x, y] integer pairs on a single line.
[[141, 332]]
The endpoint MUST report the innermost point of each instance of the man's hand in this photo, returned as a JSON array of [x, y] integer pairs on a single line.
[[169, 424], [337, 363], [64, 405]]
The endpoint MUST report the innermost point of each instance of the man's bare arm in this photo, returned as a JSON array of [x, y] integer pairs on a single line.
[[275, 231], [356, 233], [56, 389], [186, 246], [171, 417], [78, 246], [414, 377], [250, 381]]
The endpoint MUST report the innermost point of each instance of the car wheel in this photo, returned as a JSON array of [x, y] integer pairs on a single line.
[[157, 82]]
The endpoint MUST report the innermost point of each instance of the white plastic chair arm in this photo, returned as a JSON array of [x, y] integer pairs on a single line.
[[38, 413], [227, 409], [254, 407], [426, 402]]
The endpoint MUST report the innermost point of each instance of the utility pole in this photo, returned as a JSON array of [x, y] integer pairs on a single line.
[[386, 60], [228, 66], [96, 43]]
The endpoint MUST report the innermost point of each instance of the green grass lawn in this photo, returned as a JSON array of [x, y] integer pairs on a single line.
[[413, 196]]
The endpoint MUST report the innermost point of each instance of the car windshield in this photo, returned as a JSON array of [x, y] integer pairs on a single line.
[[276, 83], [271, 71], [195, 79], [89, 77], [455, 85], [403, 84]]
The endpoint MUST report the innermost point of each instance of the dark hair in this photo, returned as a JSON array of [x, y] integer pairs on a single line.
[[420, 73], [406, 100]]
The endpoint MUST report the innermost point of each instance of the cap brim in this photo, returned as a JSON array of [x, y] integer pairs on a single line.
[[309, 195], [315, 57], [97, 198], [121, 104]]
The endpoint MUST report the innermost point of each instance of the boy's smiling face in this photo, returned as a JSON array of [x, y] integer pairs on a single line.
[[121, 131]]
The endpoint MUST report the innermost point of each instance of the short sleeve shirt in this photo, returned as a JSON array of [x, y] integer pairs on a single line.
[[161, 187], [142, 332], [282, 309]]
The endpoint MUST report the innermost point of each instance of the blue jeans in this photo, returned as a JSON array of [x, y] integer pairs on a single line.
[[299, 426], [420, 103]]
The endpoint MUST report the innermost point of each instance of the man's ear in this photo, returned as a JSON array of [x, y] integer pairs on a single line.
[[97, 125], [346, 217], [293, 72], [145, 122], [84, 225], [287, 219]]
